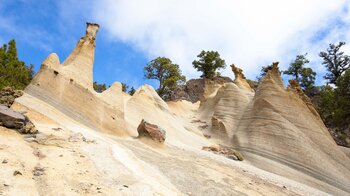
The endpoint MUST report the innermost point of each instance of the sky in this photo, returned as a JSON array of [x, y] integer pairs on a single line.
[[249, 34]]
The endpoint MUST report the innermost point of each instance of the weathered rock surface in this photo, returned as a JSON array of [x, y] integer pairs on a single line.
[[69, 88], [146, 104], [224, 109], [8, 95], [10, 118], [15, 120], [281, 126], [196, 89], [150, 130], [227, 152], [240, 79]]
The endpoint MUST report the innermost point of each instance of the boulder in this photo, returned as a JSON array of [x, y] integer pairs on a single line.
[[150, 130], [10, 118], [16, 120]]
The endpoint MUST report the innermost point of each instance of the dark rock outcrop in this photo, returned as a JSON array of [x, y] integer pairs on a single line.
[[194, 89], [8, 95], [15, 120], [150, 130]]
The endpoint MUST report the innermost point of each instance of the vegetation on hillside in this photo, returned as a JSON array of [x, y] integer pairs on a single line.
[[167, 73], [99, 87], [102, 87], [132, 91], [335, 61], [125, 87], [13, 72], [208, 63], [304, 76], [263, 71], [333, 102]]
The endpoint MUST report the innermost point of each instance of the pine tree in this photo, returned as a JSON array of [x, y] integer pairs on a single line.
[[304, 76], [167, 73], [208, 63], [335, 61], [13, 72]]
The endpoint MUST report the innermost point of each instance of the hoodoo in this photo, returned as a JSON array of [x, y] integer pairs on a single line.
[[240, 78], [79, 64]]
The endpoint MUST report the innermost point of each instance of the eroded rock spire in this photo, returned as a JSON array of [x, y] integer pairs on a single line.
[[79, 63], [275, 75], [240, 78]]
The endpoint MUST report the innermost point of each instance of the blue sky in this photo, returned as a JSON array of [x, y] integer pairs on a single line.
[[40, 29], [250, 34]]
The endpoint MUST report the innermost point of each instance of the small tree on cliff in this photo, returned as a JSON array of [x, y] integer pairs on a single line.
[[208, 63], [99, 87], [167, 73], [13, 72], [263, 71], [296, 66], [335, 61], [125, 87], [132, 91], [304, 76]]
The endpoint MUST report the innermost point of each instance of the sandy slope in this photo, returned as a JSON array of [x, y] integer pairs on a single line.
[[94, 162]]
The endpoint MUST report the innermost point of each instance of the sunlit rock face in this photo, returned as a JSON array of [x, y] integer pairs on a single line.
[[69, 87], [279, 126], [79, 64], [223, 108]]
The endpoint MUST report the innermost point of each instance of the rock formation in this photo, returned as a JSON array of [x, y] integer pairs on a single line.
[[197, 89], [276, 129], [240, 79], [223, 109], [69, 87], [79, 64], [280, 126]]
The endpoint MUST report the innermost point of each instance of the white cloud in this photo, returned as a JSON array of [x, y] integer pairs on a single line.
[[248, 33]]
